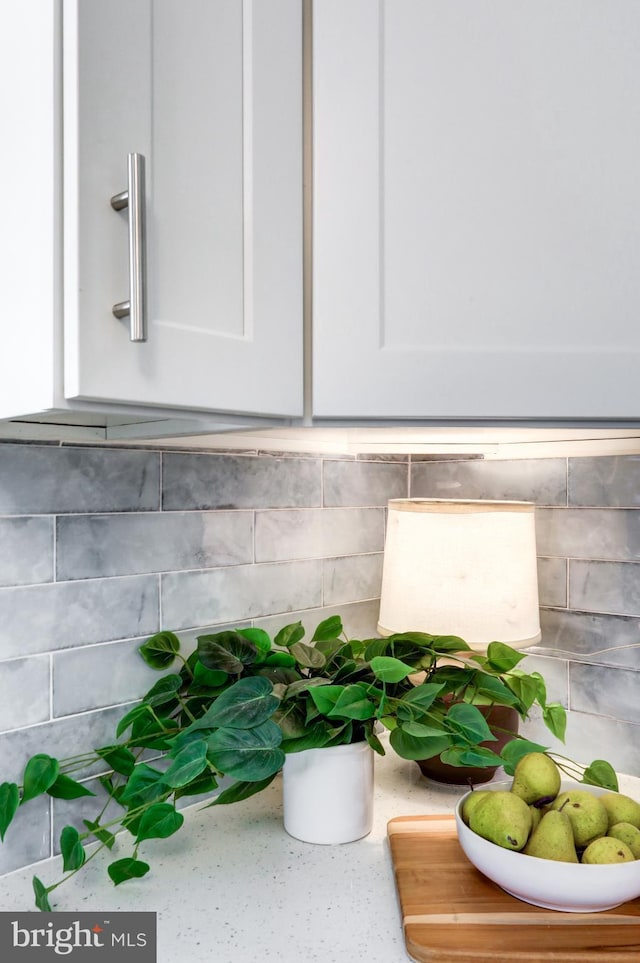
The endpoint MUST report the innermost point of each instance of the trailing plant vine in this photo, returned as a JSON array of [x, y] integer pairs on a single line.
[[241, 701]]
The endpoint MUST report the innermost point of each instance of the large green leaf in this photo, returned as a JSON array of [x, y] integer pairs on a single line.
[[541, 686], [289, 635], [291, 720], [423, 696], [145, 785], [73, 854], [415, 747], [163, 691], [375, 648], [227, 652], [555, 719], [600, 773], [420, 730], [245, 704], [454, 678], [188, 763], [160, 650], [247, 754], [121, 759], [308, 656], [388, 669], [477, 756], [468, 721], [449, 643], [127, 868], [42, 895], [41, 771], [9, 802], [374, 742], [343, 702], [352, 703], [208, 678], [259, 637], [141, 711], [525, 687], [295, 689], [66, 788], [502, 658], [241, 790], [279, 659], [159, 822], [312, 737], [332, 647], [405, 647], [423, 639], [325, 697], [330, 628], [493, 689]]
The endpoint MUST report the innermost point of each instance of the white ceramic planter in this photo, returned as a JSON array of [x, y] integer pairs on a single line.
[[328, 793]]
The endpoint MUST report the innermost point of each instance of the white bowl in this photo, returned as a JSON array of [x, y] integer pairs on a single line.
[[570, 887]]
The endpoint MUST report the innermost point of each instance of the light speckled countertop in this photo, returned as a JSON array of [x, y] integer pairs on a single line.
[[232, 887]]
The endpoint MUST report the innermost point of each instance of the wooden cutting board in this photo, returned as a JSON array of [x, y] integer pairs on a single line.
[[451, 913]]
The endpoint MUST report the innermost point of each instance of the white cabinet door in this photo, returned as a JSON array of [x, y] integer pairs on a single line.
[[476, 209], [210, 91]]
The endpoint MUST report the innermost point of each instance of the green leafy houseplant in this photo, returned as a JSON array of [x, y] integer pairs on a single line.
[[241, 701]]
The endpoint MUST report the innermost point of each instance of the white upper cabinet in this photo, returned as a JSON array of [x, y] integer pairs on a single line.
[[210, 93], [476, 209]]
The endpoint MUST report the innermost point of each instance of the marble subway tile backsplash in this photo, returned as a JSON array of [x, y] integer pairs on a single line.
[[363, 483], [589, 533], [318, 533], [94, 546], [227, 594], [100, 547], [540, 480], [351, 578], [607, 481], [25, 688], [612, 587], [60, 615], [552, 581], [46, 479], [209, 481], [27, 550]]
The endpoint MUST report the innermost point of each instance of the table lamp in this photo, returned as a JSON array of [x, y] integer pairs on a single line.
[[461, 567]]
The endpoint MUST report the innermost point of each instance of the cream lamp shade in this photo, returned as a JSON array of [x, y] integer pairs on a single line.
[[462, 567]]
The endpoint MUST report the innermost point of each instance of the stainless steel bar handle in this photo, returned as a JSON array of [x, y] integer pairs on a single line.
[[134, 199]]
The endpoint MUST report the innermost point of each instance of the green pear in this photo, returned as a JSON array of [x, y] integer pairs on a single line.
[[553, 839], [502, 818], [606, 849], [629, 834], [621, 808], [588, 816], [471, 802], [536, 816], [536, 779]]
